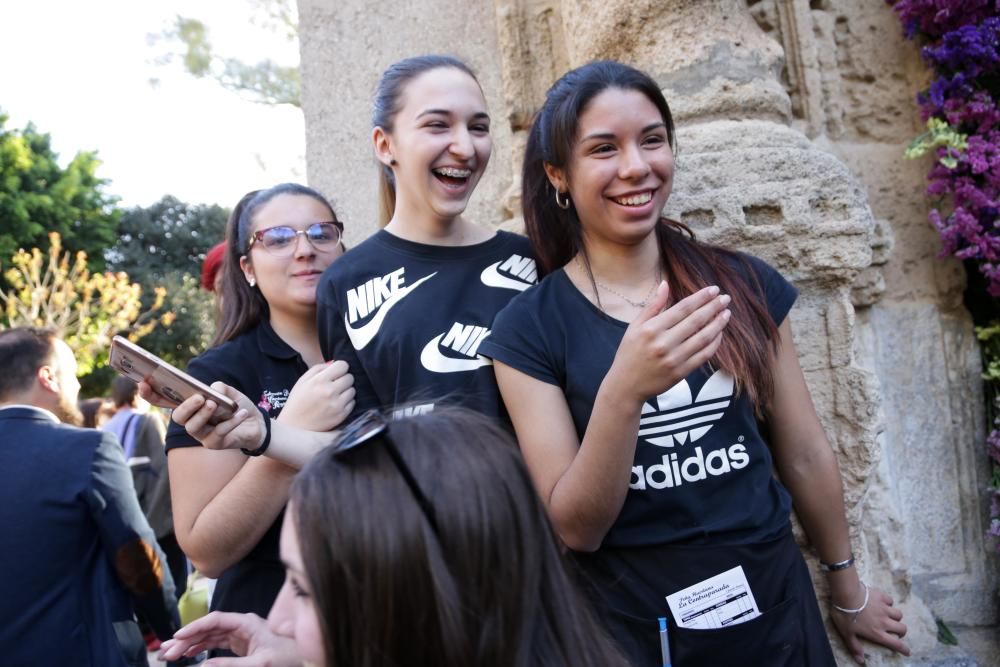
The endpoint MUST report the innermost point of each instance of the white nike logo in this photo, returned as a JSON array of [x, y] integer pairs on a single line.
[[434, 361], [522, 267], [361, 336]]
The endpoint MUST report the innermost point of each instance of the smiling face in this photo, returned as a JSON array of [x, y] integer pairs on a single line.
[[288, 282], [294, 612], [440, 142], [620, 171]]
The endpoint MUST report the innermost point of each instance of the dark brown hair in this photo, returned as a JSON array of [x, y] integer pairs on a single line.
[[488, 588], [244, 307], [123, 391], [23, 350], [688, 265], [388, 102]]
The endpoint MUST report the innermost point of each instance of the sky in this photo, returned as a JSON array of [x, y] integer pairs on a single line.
[[81, 72]]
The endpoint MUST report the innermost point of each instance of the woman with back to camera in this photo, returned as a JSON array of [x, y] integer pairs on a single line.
[[642, 434], [227, 506], [418, 541]]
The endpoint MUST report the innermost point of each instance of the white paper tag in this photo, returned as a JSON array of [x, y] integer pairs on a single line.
[[717, 602]]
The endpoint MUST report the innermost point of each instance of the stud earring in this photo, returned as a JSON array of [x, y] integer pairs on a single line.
[[392, 162], [562, 203], [252, 282]]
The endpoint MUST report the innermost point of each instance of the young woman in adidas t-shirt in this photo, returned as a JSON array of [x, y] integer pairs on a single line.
[[638, 375], [409, 307]]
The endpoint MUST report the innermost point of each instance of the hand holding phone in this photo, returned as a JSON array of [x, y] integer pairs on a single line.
[[171, 383]]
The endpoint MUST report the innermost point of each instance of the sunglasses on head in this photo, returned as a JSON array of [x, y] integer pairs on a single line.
[[281, 240], [372, 427]]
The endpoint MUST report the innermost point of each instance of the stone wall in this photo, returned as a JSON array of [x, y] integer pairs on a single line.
[[792, 116], [852, 79]]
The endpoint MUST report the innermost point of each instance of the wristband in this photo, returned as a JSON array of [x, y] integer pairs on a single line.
[[835, 567], [856, 612], [267, 436]]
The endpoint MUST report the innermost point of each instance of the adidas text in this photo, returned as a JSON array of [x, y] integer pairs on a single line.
[[694, 468]]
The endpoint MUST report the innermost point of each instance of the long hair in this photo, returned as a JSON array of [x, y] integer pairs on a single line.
[[688, 265], [244, 307], [388, 102], [488, 588]]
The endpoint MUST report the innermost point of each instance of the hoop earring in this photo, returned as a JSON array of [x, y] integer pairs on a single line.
[[564, 205]]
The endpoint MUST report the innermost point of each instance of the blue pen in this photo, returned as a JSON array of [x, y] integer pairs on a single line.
[[664, 643]]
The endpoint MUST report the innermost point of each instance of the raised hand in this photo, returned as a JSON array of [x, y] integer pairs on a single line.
[[661, 347], [321, 399], [246, 635]]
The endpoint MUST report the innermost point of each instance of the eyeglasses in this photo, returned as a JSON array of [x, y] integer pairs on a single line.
[[280, 240], [372, 427]]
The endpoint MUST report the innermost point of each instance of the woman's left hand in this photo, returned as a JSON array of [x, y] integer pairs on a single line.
[[246, 635], [244, 429], [880, 622]]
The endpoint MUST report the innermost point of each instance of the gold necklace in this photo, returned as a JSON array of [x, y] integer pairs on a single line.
[[606, 288]]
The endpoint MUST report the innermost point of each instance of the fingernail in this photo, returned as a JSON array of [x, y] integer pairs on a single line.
[[241, 413], [713, 290], [726, 314], [725, 299]]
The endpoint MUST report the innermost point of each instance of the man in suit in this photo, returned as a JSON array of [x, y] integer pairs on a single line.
[[76, 553]]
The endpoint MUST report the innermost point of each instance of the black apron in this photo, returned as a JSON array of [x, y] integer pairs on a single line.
[[628, 587]]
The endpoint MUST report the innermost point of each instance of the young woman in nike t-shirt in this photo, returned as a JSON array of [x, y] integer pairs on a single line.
[[409, 307], [638, 375]]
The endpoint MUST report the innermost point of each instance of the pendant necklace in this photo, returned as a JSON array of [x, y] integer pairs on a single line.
[[606, 288]]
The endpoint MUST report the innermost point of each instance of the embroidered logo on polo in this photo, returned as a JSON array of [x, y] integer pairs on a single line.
[[515, 272], [375, 298], [272, 400], [680, 419], [461, 343]]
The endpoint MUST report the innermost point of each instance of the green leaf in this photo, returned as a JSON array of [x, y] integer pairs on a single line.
[[945, 635]]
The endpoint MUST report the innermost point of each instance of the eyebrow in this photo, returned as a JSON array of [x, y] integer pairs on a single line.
[[289, 566], [445, 112], [609, 135]]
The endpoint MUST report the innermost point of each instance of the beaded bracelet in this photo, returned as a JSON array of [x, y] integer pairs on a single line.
[[834, 567], [267, 436], [856, 612]]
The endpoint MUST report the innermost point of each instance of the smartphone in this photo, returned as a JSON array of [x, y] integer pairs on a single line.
[[168, 381]]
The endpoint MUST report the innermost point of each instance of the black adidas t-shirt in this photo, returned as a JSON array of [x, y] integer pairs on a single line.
[[409, 318], [702, 470], [265, 368]]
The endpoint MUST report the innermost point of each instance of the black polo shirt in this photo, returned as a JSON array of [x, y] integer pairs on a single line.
[[265, 368]]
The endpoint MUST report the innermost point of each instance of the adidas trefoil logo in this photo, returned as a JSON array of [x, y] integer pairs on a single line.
[[679, 419]]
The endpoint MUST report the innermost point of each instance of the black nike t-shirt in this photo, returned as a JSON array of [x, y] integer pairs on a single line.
[[409, 318], [702, 470]]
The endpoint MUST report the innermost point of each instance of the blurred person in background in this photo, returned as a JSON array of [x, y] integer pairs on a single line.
[[76, 551]]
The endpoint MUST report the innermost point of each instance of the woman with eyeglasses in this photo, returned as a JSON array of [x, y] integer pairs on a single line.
[[415, 541], [228, 506]]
